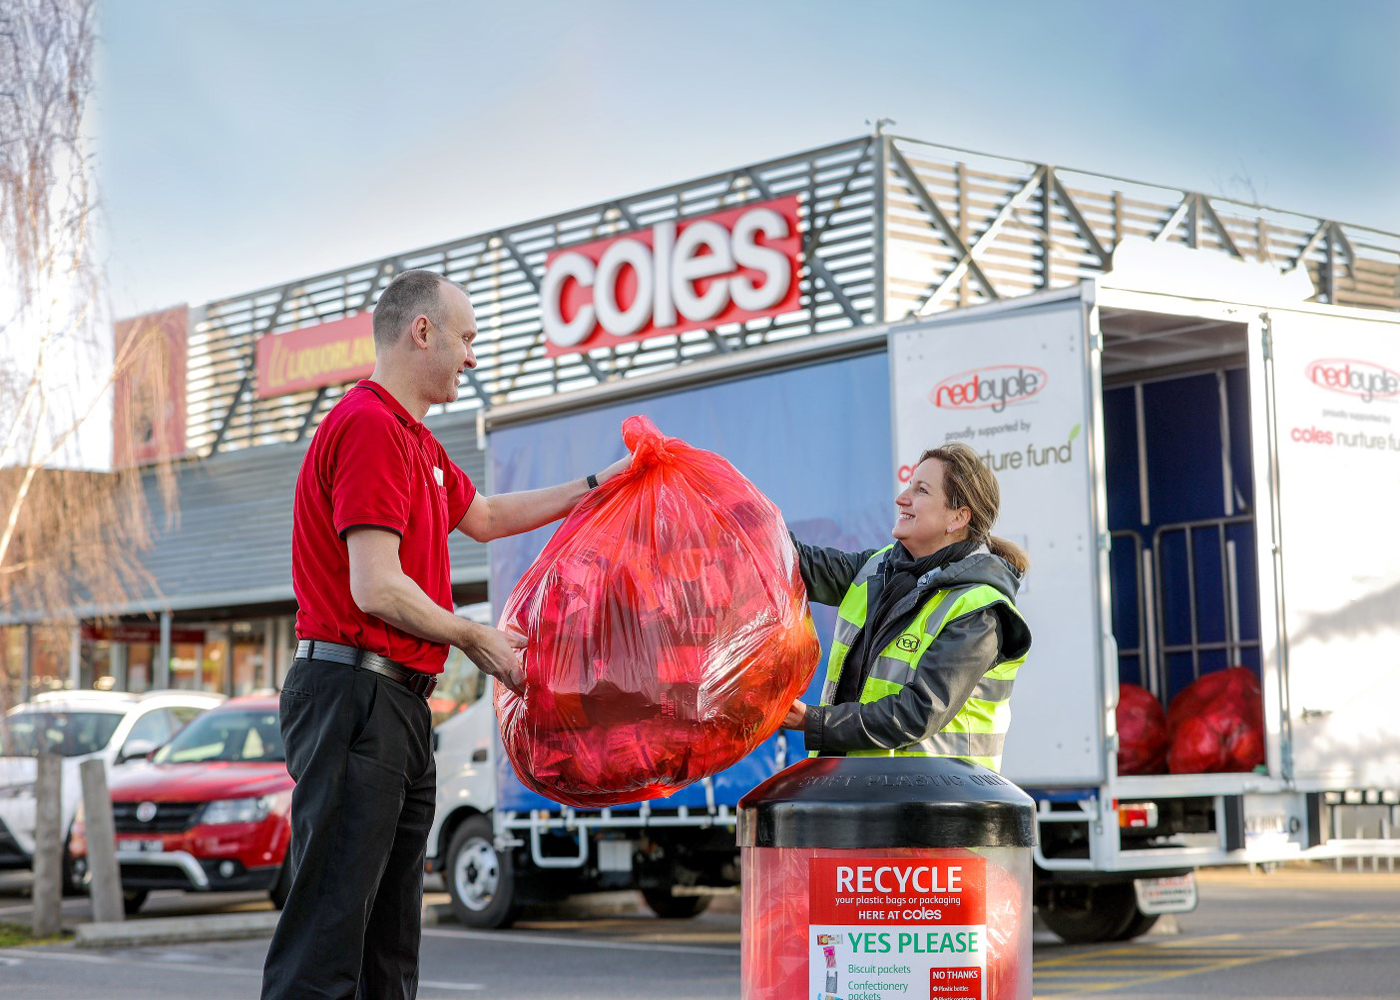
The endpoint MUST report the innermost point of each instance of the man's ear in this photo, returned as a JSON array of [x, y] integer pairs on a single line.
[[418, 331]]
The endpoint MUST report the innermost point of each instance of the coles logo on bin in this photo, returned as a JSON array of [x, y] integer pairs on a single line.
[[677, 276], [992, 388], [1365, 380]]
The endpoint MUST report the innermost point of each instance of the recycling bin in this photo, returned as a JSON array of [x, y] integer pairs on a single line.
[[886, 878]]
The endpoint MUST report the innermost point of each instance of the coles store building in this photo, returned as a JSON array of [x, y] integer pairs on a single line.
[[802, 250]]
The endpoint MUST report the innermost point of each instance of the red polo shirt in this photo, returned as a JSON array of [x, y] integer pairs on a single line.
[[370, 463]]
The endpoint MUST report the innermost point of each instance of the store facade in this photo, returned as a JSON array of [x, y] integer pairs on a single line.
[[862, 232]]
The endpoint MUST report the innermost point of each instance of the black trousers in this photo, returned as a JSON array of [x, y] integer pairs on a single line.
[[359, 747]]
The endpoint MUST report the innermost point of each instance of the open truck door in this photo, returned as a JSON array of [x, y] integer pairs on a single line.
[[1331, 409], [1016, 381]]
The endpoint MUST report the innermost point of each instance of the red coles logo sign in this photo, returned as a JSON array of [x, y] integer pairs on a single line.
[[679, 275]]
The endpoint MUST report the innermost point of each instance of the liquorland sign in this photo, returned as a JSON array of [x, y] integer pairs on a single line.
[[315, 356], [679, 275]]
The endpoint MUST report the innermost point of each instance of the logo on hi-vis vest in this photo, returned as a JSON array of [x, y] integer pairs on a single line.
[[907, 642]]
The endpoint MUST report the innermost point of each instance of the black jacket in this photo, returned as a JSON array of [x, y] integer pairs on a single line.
[[950, 668]]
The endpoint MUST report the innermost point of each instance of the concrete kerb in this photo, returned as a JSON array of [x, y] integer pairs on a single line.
[[172, 930]]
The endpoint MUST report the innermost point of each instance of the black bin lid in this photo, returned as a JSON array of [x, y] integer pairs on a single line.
[[877, 802]]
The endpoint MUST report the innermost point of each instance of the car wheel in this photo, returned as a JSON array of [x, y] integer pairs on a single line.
[[665, 903], [132, 900], [480, 879], [283, 886]]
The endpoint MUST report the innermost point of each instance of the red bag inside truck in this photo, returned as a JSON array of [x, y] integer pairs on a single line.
[[667, 631]]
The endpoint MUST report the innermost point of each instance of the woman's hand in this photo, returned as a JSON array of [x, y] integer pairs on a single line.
[[796, 717]]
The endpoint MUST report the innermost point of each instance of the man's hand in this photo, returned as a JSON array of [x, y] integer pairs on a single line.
[[494, 652], [796, 717], [621, 465]]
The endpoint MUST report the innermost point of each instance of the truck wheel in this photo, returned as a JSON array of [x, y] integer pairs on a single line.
[[480, 879], [132, 900], [1139, 924], [1089, 914], [664, 903]]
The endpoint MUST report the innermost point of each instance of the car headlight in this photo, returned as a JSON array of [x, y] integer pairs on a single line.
[[21, 791], [234, 811]]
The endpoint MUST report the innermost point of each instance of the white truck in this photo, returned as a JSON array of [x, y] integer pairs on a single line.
[[1203, 467]]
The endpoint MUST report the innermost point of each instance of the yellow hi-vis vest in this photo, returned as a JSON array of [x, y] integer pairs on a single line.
[[978, 732]]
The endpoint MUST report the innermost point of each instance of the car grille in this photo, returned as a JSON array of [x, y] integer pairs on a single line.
[[171, 817]]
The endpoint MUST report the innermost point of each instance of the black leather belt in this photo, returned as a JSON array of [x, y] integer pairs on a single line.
[[417, 681]]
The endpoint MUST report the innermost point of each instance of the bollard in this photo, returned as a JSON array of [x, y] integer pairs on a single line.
[[106, 886], [886, 877], [48, 845]]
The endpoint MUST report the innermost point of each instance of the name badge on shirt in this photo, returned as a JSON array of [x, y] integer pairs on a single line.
[[437, 474]]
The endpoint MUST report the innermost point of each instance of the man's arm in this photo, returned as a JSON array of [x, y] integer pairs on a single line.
[[489, 518], [379, 587]]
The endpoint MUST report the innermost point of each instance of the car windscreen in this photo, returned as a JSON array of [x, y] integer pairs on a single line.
[[30, 732], [231, 735]]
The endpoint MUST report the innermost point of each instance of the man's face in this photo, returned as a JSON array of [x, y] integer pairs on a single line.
[[450, 345]]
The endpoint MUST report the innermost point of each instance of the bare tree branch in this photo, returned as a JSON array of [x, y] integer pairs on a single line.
[[69, 538]]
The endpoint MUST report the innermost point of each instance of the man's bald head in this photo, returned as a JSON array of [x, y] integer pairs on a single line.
[[410, 294]]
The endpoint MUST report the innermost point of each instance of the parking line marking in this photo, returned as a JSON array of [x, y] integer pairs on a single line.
[[1105, 971], [69, 956], [526, 937]]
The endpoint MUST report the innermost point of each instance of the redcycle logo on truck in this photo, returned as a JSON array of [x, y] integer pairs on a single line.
[[992, 388], [677, 276], [1363, 379]]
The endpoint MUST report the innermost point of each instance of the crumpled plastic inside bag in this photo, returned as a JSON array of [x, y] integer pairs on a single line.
[[667, 631]]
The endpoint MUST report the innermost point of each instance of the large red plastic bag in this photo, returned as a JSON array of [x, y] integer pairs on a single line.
[[1142, 731], [667, 631], [1217, 724]]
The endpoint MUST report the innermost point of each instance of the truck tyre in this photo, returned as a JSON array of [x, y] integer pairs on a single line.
[[480, 879], [1139, 924], [132, 899], [664, 903], [1090, 914]]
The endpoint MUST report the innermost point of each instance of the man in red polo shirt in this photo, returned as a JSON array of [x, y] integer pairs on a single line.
[[375, 501]]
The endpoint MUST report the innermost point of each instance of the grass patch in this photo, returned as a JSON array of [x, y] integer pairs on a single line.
[[22, 936]]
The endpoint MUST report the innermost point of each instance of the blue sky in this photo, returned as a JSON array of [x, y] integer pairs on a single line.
[[244, 143]]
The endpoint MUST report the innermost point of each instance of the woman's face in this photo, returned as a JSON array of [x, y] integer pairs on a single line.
[[925, 522]]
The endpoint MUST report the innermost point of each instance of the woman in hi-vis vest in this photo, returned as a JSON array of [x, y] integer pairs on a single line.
[[928, 639]]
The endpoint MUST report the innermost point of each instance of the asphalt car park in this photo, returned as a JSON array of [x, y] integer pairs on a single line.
[[1304, 934]]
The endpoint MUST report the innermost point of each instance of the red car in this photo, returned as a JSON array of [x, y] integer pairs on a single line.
[[208, 813]]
